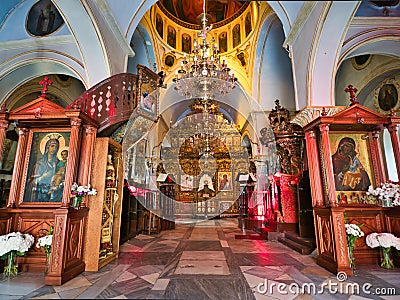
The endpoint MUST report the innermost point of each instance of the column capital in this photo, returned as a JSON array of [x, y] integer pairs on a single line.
[[76, 122], [90, 130], [375, 134], [23, 131], [392, 127], [324, 128], [310, 134]]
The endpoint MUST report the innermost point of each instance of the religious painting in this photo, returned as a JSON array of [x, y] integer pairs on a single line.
[[206, 187], [139, 163], [160, 25], [387, 97], [186, 182], [46, 166], [9, 151], [241, 57], [351, 166], [169, 60], [224, 181], [186, 43], [171, 37], [236, 35], [247, 24], [147, 93], [43, 18], [223, 42]]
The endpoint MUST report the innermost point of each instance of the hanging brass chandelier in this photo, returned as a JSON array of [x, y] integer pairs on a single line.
[[203, 74]]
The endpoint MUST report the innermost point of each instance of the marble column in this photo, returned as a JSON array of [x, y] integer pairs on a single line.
[[314, 167], [261, 184]]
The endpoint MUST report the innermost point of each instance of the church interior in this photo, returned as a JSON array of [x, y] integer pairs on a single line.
[[199, 149]]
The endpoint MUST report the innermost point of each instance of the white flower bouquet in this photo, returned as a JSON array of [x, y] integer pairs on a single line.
[[353, 232], [12, 245], [388, 193], [385, 241], [80, 191], [45, 242]]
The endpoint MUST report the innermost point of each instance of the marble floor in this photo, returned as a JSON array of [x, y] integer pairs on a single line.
[[205, 261]]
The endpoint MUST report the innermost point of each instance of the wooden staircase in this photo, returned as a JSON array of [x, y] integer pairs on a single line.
[[302, 245]]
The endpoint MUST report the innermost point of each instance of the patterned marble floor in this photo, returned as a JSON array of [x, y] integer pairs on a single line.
[[204, 261]]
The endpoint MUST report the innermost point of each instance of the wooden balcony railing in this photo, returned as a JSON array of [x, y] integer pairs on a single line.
[[112, 101]]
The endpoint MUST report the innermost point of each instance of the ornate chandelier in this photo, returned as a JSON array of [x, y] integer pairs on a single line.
[[203, 74]]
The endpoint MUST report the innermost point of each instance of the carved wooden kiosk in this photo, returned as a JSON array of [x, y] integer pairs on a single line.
[[42, 180], [102, 231], [338, 186]]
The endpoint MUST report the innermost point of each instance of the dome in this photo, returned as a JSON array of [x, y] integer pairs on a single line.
[[189, 12]]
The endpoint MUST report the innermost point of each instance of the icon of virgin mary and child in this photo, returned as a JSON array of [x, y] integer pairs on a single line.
[[46, 181], [350, 175]]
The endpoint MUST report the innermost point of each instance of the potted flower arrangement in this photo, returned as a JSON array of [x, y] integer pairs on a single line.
[[80, 191], [12, 245], [45, 242], [353, 233], [385, 241], [388, 193]]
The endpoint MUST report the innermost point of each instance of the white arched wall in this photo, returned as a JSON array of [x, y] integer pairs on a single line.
[[102, 52], [329, 37], [287, 12], [144, 51], [272, 76], [365, 80], [27, 68], [315, 47]]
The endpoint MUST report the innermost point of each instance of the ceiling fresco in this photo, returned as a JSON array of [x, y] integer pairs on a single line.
[[189, 11]]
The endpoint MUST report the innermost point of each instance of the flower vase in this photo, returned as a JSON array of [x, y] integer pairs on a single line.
[[351, 257], [387, 262], [76, 201], [11, 269], [47, 266]]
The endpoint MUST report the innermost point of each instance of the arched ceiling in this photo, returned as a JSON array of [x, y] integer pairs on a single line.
[[190, 11], [6, 9]]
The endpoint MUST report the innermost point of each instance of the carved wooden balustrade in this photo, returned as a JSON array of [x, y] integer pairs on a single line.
[[111, 101]]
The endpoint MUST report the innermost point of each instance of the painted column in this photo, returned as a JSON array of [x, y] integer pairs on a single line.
[[3, 132], [85, 161], [394, 137], [376, 147], [326, 151], [72, 160], [19, 163], [314, 167]]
